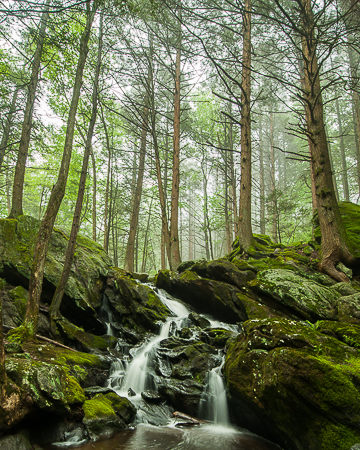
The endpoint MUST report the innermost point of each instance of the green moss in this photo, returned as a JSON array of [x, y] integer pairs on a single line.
[[98, 407], [74, 392], [345, 332], [19, 296], [337, 437], [155, 305], [88, 341], [188, 275]]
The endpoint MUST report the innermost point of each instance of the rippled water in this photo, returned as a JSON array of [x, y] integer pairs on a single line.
[[209, 437]]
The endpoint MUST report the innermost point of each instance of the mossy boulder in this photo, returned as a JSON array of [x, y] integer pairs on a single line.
[[208, 296], [135, 305], [295, 385], [80, 339], [90, 266], [350, 215], [221, 270], [305, 297], [104, 414]]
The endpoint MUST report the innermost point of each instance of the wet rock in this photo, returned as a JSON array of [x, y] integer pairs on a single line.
[[131, 392], [182, 394], [294, 384], [105, 414], [151, 397], [18, 441], [207, 296], [135, 305]]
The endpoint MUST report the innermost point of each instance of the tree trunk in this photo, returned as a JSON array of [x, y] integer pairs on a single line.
[[18, 186], [245, 229], [262, 179], [174, 217], [136, 200], [8, 125], [58, 191], [107, 189], [333, 245], [344, 178], [228, 231], [274, 221], [93, 212], [70, 250]]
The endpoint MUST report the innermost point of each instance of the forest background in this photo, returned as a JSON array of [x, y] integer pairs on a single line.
[[160, 111]]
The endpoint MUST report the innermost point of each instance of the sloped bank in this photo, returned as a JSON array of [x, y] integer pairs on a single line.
[[293, 372]]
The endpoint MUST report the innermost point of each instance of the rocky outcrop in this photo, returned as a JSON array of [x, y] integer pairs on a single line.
[[299, 386], [90, 267]]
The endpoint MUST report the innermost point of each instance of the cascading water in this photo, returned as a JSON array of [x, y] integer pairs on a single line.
[[135, 375], [106, 313], [213, 402]]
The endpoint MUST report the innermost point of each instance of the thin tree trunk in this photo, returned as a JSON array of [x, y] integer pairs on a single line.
[[262, 179], [18, 186], [70, 250], [146, 240], [135, 207], [174, 217], [344, 178], [333, 245], [274, 221], [245, 228], [191, 226], [58, 191], [354, 80], [107, 189], [228, 233], [93, 213], [8, 125]]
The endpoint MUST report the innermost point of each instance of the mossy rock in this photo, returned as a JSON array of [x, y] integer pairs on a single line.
[[295, 384], [49, 385], [350, 215], [306, 298], [104, 414], [90, 266], [207, 296], [85, 341], [345, 332], [134, 305], [348, 308]]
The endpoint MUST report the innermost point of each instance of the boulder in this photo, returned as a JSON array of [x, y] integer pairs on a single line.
[[291, 383], [135, 305], [90, 266], [306, 298], [104, 414], [207, 296]]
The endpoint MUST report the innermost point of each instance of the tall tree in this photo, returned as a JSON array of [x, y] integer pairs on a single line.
[[70, 250], [58, 190], [333, 244], [18, 186], [245, 227]]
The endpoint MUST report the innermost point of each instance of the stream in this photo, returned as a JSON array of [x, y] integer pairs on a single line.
[[132, 375]]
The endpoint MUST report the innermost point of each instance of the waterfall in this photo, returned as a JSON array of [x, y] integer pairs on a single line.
[[135, 375], [107, 316], [213, 402]]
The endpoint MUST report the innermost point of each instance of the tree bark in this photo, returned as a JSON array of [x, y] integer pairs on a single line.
[[107, 189], [70, 250], [274, 221], [3, 377], [93, 212], [136, 200], [58, 191], [8, 125], [245, 228], [344, 178], [333, 245], [174, 217], [262, 179], [18, 185]]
